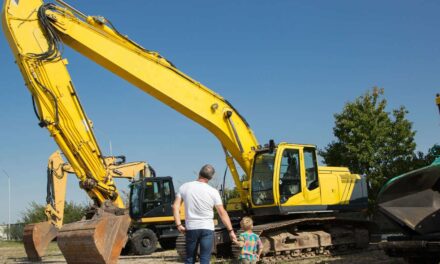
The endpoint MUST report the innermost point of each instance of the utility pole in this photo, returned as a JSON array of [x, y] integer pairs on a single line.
[[9, 205]]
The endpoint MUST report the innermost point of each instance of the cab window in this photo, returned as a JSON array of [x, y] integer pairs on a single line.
[[167, 192], [134, 199], [311, 168], [152, 196], [262, 179], [290, 178]]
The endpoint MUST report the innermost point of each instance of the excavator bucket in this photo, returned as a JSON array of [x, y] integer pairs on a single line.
[[99, 240], [413, 199], [36, 238]]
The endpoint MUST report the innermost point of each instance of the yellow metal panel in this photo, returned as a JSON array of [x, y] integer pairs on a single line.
[[329, 189], [152, 220]]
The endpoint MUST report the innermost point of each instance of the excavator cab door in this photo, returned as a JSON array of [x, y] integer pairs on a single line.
[[296, 178], [311, 189], [285, 180], [151, 197]]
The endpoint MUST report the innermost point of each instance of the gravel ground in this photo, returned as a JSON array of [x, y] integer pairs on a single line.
[[13, 252]]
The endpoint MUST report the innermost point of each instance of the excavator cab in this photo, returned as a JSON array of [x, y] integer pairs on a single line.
[[152, 197], [287, 180], [151, 200], [288, 175]]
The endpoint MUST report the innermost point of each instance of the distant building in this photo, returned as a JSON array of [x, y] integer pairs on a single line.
[[16, 231], [3, 232]]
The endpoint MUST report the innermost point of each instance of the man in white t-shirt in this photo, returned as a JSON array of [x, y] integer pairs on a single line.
[[200, 200]]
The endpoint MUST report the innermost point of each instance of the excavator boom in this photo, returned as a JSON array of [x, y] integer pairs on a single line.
[[97, 39], [56, 103]]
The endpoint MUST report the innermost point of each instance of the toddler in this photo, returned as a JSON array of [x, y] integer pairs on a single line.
[[249, 242]]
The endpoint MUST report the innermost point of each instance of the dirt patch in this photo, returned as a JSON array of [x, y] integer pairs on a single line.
[[13, 252]]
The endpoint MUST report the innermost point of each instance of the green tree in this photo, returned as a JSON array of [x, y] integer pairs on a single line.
[[433, 153], [34, 213], [16, 232], [74, 212], [418, 160], [371, 141]]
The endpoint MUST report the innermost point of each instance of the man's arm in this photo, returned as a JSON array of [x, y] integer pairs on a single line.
[[176, 213], [226, 221], [239, 242]]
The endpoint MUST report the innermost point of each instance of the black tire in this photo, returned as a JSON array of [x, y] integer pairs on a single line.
[[126, 250], [143, 242], [168, 243]]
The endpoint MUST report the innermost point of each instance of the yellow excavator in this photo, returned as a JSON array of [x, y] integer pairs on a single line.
[[296, 205], [37, 236], [151, 214]]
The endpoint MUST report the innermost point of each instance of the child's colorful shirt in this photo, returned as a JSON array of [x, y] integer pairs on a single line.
[[252, 243]]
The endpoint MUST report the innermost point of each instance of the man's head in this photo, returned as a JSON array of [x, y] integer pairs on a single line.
[[207, 172], [246, 223]]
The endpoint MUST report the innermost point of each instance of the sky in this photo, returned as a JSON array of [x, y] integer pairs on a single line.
[[286, 66]]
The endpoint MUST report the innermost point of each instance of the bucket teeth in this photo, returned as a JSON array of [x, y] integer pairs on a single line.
[[36, 238], [99, 240]]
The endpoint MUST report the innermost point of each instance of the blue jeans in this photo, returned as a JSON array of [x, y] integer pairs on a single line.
[[194, 238]]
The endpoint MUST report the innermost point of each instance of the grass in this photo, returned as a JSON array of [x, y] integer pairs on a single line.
[[4, 243], [16, 248]]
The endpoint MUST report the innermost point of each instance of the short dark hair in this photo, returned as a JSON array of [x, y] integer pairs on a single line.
[[207, 171]]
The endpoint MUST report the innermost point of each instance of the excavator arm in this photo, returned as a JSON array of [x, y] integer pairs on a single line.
[[36, 48], [56, 103]]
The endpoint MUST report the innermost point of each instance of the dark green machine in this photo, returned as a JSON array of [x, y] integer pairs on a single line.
[[412, 202]]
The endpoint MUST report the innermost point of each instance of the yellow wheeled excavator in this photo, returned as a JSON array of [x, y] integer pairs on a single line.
[[295, 204], [37, 236]]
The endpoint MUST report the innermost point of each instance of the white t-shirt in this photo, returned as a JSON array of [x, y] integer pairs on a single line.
[[199, 199]]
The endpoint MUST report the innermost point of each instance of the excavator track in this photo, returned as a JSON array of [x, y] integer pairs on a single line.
[[310, 237]]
